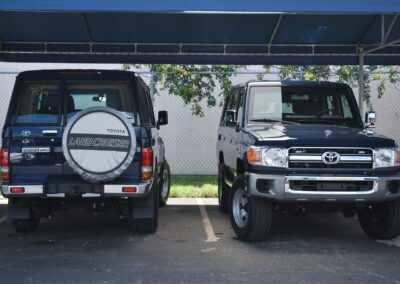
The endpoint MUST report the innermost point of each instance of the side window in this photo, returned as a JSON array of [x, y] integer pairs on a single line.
[[144, 111], [227, 106], [149, 106], [346, 107], [239, 112], [231, 113]]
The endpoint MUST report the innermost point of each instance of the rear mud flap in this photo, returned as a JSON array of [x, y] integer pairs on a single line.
[[18, 212], [143, 208]]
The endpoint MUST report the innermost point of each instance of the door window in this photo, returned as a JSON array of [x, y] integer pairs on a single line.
[[240, 107], [115, 95], [39, 102]]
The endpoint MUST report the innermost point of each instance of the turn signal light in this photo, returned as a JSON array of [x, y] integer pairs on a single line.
[[129, 189], [17, 190], [254, 155], [397, 157]]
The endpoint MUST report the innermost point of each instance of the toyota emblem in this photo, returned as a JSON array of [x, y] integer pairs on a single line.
[[26, 133], [330, 158]]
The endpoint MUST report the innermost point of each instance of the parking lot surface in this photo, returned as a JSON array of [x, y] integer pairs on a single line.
[[194, 244]]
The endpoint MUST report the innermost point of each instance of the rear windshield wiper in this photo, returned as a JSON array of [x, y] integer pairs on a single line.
[[273, 120]]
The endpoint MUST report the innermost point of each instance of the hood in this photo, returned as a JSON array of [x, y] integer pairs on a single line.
[[284, 135]]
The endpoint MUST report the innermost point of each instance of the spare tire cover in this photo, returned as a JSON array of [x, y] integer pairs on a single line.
[[99, 143]]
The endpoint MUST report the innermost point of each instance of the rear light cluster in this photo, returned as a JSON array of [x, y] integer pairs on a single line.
[[4, 164], [129, 189], [17, 190], [147, 163]]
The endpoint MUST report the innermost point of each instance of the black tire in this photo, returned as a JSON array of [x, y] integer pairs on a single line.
[[148, 225], [223, 190], [26, 225], [163, 198], [381, 221], [259, 213]]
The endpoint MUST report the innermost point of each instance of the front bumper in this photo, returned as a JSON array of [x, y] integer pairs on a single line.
[[76, 190], [279, 188]]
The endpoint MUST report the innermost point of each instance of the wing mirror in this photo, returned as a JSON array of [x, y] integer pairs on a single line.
[[162, 118], [370, 119]]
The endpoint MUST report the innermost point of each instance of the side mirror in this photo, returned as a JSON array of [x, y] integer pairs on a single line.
[[162, 118], [231, 118], [370, 119]]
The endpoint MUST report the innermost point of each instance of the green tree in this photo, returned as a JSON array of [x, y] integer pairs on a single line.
[[343, 73], [193, 83], [197, 83]]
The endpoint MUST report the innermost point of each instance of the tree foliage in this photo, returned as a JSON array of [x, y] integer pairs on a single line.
[[343, 73], [193, 83], [197, 83]]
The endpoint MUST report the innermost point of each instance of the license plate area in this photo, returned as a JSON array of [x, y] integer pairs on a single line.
[[35, 150], [334, 186]]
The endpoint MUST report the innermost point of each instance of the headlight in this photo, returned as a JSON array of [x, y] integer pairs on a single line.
[[264, 156], [386, 157]]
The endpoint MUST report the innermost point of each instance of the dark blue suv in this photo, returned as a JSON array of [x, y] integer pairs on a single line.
[[83, 138], [303, 147]]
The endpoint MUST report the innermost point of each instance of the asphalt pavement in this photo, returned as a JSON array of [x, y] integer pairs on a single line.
[[194, 244]]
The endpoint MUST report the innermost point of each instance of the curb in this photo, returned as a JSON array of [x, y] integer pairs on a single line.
[[192, 201]]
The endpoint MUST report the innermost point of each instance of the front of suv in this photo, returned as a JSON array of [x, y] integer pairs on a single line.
[[305, 146]]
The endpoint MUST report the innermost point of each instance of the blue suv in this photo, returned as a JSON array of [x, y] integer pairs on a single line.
[[83, 138], [302, 147]]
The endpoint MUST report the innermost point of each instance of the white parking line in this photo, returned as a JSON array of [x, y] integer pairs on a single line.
[[2, 219], [394, 242], [206, 221]]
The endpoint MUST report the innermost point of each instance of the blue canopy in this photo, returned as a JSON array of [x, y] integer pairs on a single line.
[[201, 31]]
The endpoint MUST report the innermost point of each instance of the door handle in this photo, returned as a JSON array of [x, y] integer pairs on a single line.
[[49, 132]]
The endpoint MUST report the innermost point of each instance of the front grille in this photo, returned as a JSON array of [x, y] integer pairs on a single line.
[[347, 158]]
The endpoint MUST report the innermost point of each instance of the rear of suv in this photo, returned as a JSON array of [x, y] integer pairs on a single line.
[[83, 138]]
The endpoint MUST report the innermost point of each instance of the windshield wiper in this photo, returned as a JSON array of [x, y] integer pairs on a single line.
[[274, 120]]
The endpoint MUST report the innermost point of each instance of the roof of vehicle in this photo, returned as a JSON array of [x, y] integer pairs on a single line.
[[77, 72]]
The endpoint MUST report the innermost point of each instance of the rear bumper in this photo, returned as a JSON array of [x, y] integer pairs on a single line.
[[76, 190], [279, 188]]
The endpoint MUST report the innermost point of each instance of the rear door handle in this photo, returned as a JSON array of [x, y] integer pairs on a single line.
[[49, 132]]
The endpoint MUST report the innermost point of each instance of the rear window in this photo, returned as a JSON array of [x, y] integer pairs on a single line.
[[115, 95], [42, 103], [39, 103]]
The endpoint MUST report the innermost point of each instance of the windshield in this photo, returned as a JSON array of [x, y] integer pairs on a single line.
[[301, 105]]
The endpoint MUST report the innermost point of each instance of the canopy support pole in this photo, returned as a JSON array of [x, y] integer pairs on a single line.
[[361, 81]]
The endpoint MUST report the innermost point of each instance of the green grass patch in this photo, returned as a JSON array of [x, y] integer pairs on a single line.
[[194, 186]]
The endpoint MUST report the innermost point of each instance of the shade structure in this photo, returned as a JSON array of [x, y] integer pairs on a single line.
[[201, 31]]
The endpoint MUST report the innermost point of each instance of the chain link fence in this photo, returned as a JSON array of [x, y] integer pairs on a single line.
[[191, 141]]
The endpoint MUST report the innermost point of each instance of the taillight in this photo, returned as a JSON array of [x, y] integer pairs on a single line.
[[4, 163], [147, 163]]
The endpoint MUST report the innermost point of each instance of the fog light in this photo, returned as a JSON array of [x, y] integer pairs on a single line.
[[394, 187], [263, 185]]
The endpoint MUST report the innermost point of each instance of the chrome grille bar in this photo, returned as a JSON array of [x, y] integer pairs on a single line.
[[312, 157]]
